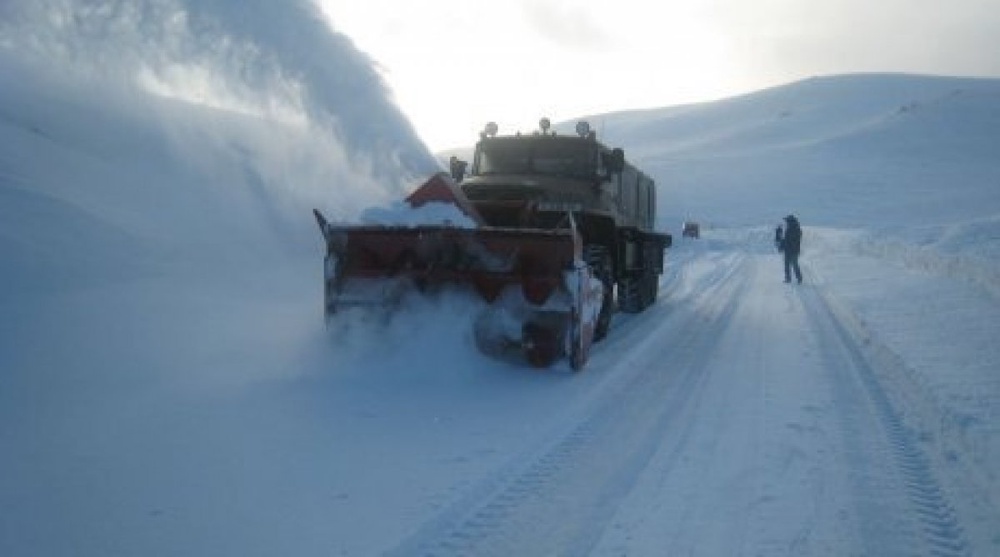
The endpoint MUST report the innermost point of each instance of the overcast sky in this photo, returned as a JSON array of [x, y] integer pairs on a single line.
[[455, 64]]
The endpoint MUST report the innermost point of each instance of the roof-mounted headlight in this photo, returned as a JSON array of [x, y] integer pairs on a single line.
[[544, 125]]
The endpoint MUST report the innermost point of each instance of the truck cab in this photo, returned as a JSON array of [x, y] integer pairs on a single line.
[[536, 180]]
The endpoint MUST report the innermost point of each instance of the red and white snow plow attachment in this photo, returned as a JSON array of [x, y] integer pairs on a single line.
[[543, 301]]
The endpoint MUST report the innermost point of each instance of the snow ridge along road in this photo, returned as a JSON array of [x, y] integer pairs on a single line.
[[927, 521]]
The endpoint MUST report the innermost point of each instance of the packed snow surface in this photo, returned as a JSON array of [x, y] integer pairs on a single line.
[[168, 386]]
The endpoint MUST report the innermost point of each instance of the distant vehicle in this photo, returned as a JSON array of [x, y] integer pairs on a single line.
[[691, 230]]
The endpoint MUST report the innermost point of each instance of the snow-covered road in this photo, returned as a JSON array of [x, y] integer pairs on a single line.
[[790, 448], [738, 417]]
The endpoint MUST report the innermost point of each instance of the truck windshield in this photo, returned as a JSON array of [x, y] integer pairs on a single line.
[[571, 158]]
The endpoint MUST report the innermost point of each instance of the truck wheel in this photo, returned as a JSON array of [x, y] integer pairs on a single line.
[[648, 289], [630, 294], [599, 260]]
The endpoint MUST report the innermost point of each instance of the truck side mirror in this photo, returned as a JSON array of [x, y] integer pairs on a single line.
[[457, 168]]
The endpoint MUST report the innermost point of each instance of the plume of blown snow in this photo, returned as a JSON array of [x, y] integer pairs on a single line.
[[204, 128], [279, 60]]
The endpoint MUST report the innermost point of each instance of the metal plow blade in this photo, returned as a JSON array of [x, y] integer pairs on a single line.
[[563, 326], [542, 298]]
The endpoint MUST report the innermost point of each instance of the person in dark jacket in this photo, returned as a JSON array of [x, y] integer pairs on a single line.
[[791, 244]]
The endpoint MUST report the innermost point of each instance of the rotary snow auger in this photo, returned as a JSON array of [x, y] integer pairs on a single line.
[[555, 234]]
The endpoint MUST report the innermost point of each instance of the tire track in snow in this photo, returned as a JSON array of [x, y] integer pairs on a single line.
[[557, 499], [934, 518]]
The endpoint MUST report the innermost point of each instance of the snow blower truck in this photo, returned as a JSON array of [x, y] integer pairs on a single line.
[[558, 235]]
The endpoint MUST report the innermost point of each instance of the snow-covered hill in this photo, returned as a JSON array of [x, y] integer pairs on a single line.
[[862, 151], [167, 386]]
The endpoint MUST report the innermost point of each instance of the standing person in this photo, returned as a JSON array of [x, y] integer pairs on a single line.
[[792, 244]]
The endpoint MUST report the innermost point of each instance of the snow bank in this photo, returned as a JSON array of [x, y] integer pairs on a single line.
[[966, 251]]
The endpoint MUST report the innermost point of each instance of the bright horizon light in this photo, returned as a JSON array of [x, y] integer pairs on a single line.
[[453, 65]]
